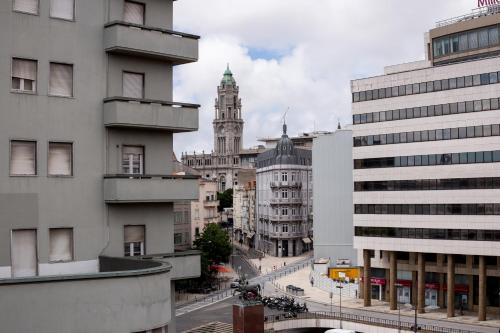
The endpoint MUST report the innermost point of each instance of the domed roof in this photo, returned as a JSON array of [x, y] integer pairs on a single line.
[[285, 151], [228, 77]]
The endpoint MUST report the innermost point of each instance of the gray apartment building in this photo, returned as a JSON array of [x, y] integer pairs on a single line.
[[426, 156], [86, 184], [284, 199]]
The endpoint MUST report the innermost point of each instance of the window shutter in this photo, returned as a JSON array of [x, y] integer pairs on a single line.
[[61, 244], [61, 80], [24, 69], [60, 159], [23, 159], [133, 12], [27, 6], [62, 9], [134, 233], [23, 252], [133, 85]]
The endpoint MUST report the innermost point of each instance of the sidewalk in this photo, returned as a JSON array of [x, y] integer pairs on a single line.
[[301, 279], [269, 263]]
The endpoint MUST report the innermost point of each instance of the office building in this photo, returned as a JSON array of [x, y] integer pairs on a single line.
[[427, 172]]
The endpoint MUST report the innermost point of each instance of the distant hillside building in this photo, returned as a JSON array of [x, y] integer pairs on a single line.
[[284, 199]]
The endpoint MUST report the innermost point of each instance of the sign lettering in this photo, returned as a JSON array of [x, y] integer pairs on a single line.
[[487, 3]]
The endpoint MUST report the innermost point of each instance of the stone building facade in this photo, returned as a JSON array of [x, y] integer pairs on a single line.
[[244, 207], [224, 162], [284, 199]]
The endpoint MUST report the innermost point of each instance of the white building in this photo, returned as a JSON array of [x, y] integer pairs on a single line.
[[427, 172], [332, 193], [244, 202], [284, 199], [204, 211]]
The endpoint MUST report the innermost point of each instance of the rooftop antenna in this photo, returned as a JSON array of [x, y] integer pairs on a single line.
[[284, 120]]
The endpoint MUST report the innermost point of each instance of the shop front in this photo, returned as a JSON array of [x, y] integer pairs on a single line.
[[378, 288], [404, 291], [461, 296], [431, 294]]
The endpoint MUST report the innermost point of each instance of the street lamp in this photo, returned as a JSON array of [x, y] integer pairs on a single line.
[[340, 287]]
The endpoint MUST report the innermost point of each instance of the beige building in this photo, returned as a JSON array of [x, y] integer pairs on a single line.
[[244, 211], [427, 172], [204, 211]]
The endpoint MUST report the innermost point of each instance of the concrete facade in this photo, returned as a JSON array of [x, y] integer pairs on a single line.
[[426, 158], [76, 96], [284, 200], [332, 193]]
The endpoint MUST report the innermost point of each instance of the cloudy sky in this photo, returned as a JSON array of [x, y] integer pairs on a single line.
[[297, 54]]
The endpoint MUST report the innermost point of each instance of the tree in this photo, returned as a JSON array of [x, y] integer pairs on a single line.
[[215, 245], [225, 199]]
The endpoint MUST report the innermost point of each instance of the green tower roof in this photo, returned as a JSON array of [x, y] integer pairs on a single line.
[[228, 77]]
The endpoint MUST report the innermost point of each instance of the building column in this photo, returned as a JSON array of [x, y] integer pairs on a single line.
[[361, 287], [421, 283], [441, 291], [482, 289], [393, 275], [414, 288], [367, 284], [450, 295]]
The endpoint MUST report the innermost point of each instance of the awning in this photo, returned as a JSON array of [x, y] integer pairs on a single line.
[[250, 235], [307, 240]]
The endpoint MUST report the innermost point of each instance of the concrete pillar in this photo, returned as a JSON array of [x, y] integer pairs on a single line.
[[367, 285], [441, 290], [421, 283], [470, 296], [393, 275], [361, 284], [414, 288], [171, 325], [481, 316], [450, 283]]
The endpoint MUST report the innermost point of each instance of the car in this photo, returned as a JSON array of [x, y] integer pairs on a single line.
[[235, 283]]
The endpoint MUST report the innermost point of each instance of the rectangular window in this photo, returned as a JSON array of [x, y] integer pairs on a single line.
[[26, 6], [23, 158], [60, 160], [133, 85], [63, 9], [284, 176], [24, 75], [134, 239], [61, 80], [23, 253], [133, 12], [133, 160], [61, 244]]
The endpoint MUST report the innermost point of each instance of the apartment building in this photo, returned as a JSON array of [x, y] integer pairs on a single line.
[[86, 184], [244, 204], [284, 199], [427, 172], [205, 209]]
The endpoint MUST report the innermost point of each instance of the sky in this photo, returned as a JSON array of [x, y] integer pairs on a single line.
[[295, 54]]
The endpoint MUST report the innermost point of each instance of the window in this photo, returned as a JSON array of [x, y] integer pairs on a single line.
[[63, 9], [61, 244], [133, 12], [133, 85], [60, 161], [26, 6], [23, 253], [284, 176], [61, 80], [284, 194], [134, 240], [23, 158], [285, 228], [133, 160], [177, 238], [284, 211], [24, 75]]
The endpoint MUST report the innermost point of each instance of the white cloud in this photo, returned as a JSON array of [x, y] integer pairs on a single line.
[[326, 44]]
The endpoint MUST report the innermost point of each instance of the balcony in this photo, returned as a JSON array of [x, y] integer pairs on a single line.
[[138, 40], [212, 219], [211, 203], [285, 218], [288, 201], [274, 234], [134, 293], [144, 113], [290, 184], [149, 188], [185, 264]]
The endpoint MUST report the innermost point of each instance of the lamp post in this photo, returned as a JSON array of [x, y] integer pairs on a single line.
[[340, 287]]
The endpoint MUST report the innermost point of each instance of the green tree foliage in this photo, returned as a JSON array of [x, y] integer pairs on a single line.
[[226, 199], [215, 245]]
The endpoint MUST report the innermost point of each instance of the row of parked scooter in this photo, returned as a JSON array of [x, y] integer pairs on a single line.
[[284, 303]]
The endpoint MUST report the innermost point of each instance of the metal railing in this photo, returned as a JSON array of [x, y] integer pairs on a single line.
[[476, 13], [373, 321]]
